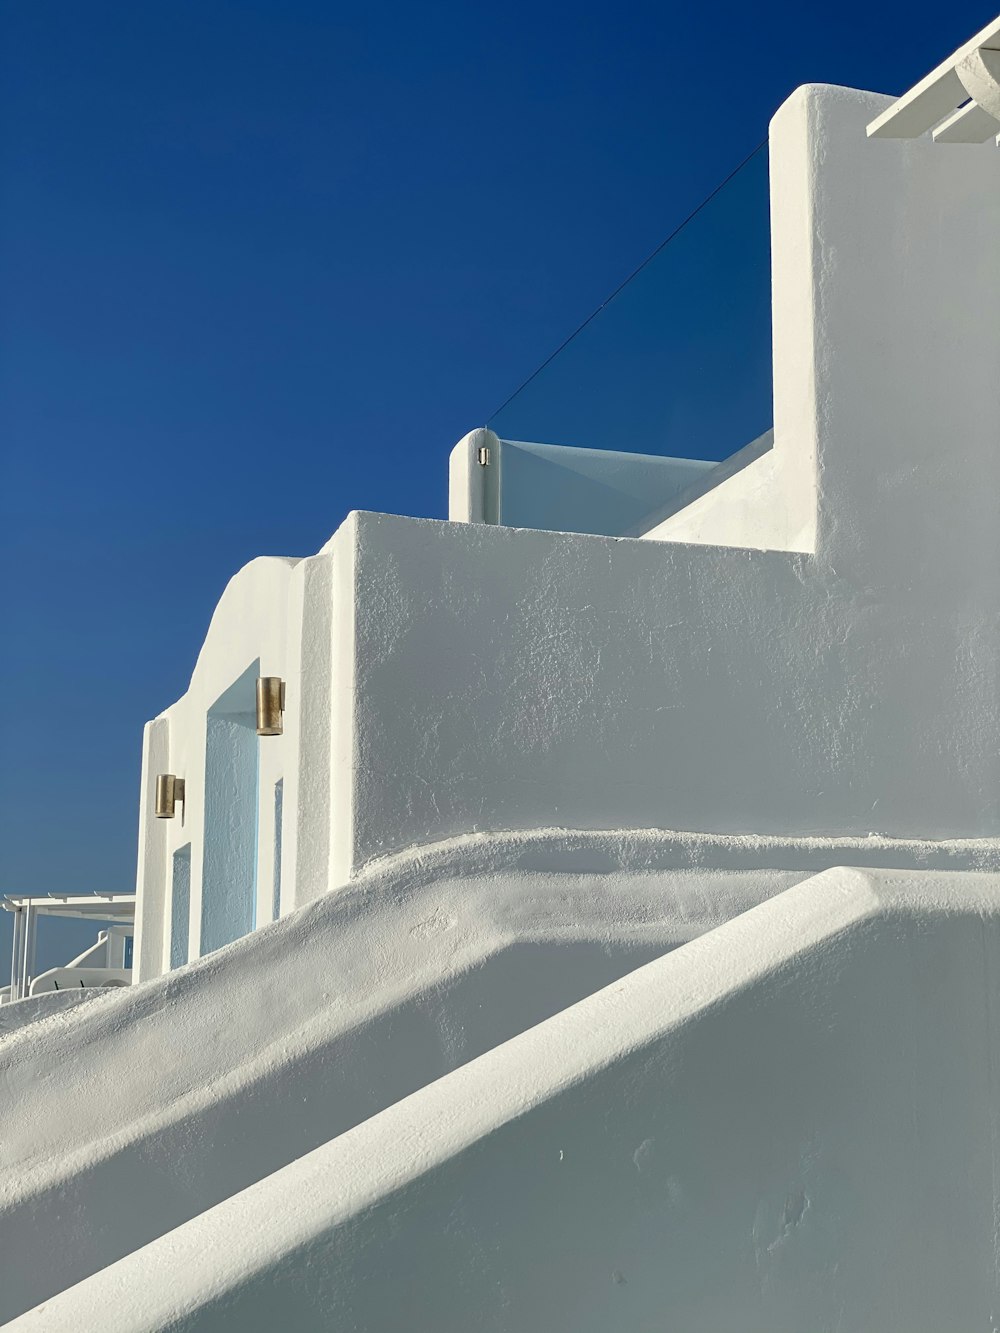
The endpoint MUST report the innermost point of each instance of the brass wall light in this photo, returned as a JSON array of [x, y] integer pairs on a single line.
[[169, 790], [270, 705]]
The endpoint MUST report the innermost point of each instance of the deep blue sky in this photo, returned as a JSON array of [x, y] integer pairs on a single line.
[[263, 263]]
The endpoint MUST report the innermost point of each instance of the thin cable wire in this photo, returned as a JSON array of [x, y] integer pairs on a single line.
[[622, 285]]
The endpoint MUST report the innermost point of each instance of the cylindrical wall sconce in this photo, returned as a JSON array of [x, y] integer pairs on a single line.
[[270, 705], [169, 790]]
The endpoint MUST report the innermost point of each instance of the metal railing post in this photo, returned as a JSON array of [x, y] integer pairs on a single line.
[[15, 960], [27, 949]]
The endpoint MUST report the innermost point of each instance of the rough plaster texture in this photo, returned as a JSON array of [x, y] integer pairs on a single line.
[[260, 1052], [505, 678], [771, 1129], [15, 1016], [787, 1124], [828, 668], [256, 1054], [520, 678]]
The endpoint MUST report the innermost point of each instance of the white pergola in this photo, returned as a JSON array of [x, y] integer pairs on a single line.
[[118, 908], [959, 101]]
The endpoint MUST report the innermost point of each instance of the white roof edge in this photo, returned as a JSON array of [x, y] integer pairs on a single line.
[[935, 96]]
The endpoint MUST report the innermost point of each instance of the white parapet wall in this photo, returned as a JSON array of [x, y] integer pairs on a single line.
[[267, 1048], [810, 648], [841, 685], [254, 1055], [773, 1129], [885, 284], [446, 1090]]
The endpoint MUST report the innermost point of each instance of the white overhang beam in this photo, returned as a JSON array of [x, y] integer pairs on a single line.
[[119, 907], [969, 124], [972, 72]]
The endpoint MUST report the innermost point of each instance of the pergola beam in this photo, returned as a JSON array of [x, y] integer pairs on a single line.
[[937, 97]]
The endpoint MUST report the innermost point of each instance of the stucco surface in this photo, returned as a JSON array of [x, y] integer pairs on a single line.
[[185, 1089], [120, 1122], [814, 652], [772, 1128], [844, 680], [787, 1123], [506, 678], [15, 1016], [732, 513]]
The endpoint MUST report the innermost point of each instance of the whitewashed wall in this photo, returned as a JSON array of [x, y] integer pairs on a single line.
[[253, 625], [812, 650], [787, 1125], [846, 685]]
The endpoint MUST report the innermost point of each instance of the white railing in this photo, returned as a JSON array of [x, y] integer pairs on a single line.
[[105, 957]]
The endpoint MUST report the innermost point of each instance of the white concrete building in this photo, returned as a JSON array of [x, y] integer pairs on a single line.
[[633, 843]]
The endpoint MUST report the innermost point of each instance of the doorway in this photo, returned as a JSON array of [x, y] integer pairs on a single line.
[[229, 867]]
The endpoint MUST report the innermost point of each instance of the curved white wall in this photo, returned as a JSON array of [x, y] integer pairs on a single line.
[[124, 1122], [255, 628], [828, 668], [789, 1124], [772, 1129]]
